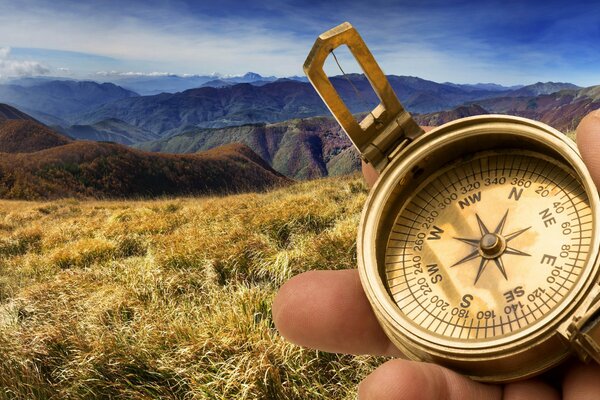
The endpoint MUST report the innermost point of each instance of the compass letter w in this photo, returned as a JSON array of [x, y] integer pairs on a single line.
[[435, 234]]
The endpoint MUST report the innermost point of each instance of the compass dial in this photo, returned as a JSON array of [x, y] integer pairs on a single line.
[[488, 246]]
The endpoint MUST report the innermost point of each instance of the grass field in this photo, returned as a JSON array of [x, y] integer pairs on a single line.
[[170, 298]]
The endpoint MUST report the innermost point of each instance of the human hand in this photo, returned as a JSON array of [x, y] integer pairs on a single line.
[[340, 320]]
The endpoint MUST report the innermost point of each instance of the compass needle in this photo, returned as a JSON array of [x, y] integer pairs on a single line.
[[500, 266], [470, 257], [482, 227], [510, 250], [472, 242], [499, 304], [515, 234], [482, 266], [500, 226]]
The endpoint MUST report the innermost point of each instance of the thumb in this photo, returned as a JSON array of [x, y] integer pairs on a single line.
[[402, 379], [588, 142]]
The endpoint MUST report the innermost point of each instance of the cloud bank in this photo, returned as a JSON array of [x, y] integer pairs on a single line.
[[10, 68], [462, 41]]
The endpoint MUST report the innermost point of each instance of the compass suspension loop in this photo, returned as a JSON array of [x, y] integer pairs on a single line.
[[388, 125]]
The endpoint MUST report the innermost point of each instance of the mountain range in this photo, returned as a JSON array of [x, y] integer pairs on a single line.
[[562, 110], [38, 163], [66, 103], [278, 120], [325, 150], [169, 114], [207, 107], [149, 84]]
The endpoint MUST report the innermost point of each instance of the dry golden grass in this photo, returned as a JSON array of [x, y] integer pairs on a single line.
[[170, 298], [571, 135]]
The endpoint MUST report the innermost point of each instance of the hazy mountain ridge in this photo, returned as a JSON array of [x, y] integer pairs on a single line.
[[262, 101], [562, 110], [61, 99], [484, 86], [109, 130], [147, 85], [208, 107], [281, 100], [214, 107], [541, 88], [299, 148]]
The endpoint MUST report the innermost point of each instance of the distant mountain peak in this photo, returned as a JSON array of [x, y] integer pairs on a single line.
[[484, 86], [540, 88], [252, 75]]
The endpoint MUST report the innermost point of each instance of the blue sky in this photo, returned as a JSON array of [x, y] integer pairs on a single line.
[[506, 42]]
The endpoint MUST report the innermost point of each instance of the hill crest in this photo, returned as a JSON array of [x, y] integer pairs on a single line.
[[28, 136], [11, 113], [38, 163]]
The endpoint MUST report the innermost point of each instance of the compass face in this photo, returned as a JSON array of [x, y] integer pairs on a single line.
[[488, 246]]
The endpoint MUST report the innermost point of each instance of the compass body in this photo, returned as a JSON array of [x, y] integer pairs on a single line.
[[478, 246]]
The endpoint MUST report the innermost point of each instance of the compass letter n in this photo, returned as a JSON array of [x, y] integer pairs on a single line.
[[516, 194]]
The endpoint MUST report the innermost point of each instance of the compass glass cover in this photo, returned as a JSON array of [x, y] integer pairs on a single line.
[[487, 246]]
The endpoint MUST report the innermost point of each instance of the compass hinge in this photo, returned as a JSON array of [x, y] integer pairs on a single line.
[[390, 140], [585, 346], [584, 334]]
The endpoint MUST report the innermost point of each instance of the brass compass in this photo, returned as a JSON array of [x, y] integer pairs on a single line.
[[478, 246]]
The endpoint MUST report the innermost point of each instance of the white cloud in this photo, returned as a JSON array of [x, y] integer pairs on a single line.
[[15, 68], [134, 74], [187, 46]]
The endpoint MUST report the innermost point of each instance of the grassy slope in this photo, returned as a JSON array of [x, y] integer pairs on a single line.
[[170, 298]]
